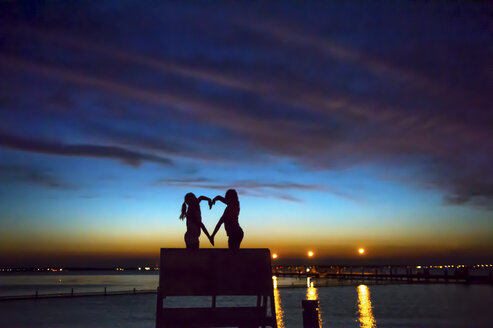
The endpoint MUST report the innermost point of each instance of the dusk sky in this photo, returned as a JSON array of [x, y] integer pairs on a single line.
[[341, 126]]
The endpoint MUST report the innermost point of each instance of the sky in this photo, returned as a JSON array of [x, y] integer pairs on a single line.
[[341, 124]]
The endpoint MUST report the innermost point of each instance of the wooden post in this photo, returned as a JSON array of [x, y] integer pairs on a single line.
[[310, 313], [134, 290], [71, 292], [36, 295], [104, 290]]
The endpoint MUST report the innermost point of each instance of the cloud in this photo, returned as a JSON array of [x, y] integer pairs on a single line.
[[471, 190], [33, 176], [159, 64], [253, 188], [247, 184], [330, 91], [129, 157]]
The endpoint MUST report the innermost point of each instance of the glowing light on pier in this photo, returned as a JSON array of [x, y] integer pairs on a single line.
[[310, 254], [274, 256], [366, 318], [361, 251]]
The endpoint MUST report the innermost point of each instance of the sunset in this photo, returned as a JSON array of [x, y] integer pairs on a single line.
[[354, 134]]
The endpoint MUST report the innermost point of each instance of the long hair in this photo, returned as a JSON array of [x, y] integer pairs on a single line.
[[183, 211], [190, 200], [232, 198]]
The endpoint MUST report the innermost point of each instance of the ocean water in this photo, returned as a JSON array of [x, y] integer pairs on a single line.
[[81, 282], [357, 305]]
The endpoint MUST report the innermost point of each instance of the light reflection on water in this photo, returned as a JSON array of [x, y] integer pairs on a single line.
[[277, 302], [311, 291], [366, 318], [312, 295]]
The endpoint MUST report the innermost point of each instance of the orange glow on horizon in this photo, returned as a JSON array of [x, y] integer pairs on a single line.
[[310, 254], [361, 251], [274, 256], [55, 247]]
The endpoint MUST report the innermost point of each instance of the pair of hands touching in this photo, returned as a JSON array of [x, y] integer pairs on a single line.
[[211, 238], [211, 203]]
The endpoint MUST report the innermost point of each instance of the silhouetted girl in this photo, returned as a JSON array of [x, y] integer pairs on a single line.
[[191, 210], [230, 219]]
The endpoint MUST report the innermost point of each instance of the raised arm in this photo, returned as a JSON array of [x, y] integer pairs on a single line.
[[218, 197], [207, 199], [204, 198]]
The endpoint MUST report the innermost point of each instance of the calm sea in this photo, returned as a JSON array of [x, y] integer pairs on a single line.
[[341, 305]]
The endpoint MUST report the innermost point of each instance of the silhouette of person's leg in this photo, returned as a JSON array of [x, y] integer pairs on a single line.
[[191, 241], [235, 239]]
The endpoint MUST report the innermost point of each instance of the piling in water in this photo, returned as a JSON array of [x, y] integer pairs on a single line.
[[310, 313]]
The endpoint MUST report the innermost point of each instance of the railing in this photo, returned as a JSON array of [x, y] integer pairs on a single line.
[[72, 293]]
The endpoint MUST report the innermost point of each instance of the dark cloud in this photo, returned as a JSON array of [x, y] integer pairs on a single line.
[[44, 147], [33, 176], [475, 190]]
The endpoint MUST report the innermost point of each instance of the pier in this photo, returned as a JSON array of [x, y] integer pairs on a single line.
[[404, 273]]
